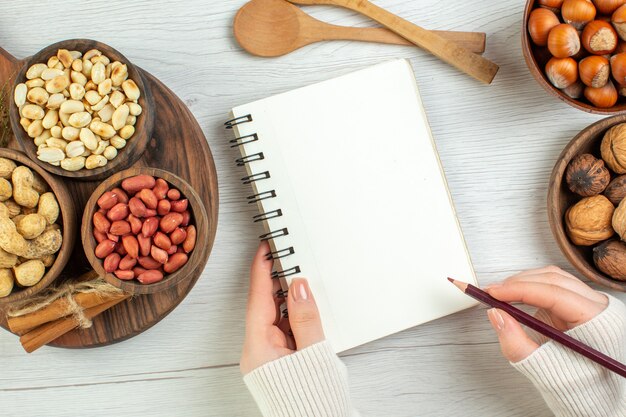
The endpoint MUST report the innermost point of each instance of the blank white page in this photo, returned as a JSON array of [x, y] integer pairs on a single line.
[[364, 198]]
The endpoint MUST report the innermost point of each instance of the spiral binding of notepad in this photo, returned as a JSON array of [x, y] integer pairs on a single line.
[[260, 176]]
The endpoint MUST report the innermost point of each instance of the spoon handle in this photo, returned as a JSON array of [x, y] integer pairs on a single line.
[[478, 67], [473, 41]]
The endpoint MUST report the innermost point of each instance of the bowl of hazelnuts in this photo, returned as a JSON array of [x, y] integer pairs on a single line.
[[576, 50], [587, 202]]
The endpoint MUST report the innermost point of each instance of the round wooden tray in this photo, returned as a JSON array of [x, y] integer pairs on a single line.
[[177, 145]]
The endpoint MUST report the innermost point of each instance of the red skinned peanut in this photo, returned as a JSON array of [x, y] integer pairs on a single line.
[[121, 250], [158, 254], [118, 212], [121, 195], [148, 197], [120, 228], [124, 275], [178, 236], [150, 277], [150, 212], [162, 241], [127, 263], [175, 262], [173, 194], [149, 263], [104, 248], [163, 207], [186, 218], [137, 207], [107, 200], [139, 182], [101, 223], [135, 224], [150, 226], [172, 250], [180, 205], [113, 237], [171, 221], [145, 243], [161, 188], [111, 262], [139, 270], [131, 245], [99, 235], [190, 240]]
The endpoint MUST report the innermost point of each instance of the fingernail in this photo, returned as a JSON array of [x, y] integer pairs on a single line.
[[300, 290], [496, 319]]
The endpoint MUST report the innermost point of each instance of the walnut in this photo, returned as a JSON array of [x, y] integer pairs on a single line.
[[589, 221], [610, 258], [613, 148], [619, 220], [616, 190], [586, 175]]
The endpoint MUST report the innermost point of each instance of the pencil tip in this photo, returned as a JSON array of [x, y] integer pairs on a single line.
[[451, 280], [459, 284]]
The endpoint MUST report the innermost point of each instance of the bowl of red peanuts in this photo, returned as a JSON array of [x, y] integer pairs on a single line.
[[140, 229]]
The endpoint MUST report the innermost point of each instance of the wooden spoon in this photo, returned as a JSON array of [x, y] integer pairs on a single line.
[[478, 67], [271, 28]]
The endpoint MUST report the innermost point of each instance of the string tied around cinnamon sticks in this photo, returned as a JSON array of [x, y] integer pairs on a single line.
[[67, 305]]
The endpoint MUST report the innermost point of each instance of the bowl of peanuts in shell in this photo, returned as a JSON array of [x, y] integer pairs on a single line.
[[141, 229], [80, 109], [37, 227]]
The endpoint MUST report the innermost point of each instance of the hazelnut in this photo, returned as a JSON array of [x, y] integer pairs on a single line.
[[589, 221], [586, 175], [613, 148], [616, 190], [610, 258]]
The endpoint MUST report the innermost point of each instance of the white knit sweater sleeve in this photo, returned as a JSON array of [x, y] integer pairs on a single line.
[[312, 382], [574, 386]]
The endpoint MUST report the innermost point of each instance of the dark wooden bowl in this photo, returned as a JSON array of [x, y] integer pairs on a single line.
[[198, 217], [135, 146], [560, 198], [68, 222], [536, 58]]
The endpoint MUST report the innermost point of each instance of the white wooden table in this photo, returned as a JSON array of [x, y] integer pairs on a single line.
[[497, 143]]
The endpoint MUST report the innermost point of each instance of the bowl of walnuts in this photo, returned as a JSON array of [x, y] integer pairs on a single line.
[[576, 50], [587, 202]]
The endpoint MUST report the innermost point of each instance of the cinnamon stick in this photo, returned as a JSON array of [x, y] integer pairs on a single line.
[[50, 331], [57, 309]]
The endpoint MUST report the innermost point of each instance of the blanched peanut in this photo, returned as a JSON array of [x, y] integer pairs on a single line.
[[135, 109], [127, 131], [55, 131], [119, 74], [102, 145], [57, 84], [35, 71], [117, 98], [33, 112], [74, 149], [77, 65], [56, 143], [53, 61], [55, 100], [104, 87], [91, 53], [110, 152], [38, 96], [65, 57], [35, 129], [70, 133], [73, 164], [77, 91], [19, 95], [88, 138], [117, 142], [24, 122], [97, 73], [50, 155], [50, 73], [106, 113], [72, 106], [99, 105], [65, 118], [131, 90], [78, 78], [95, 161], [80, 119], [50, 119], [102, 129], [131, 120], [35, 82], [45, 135], [118, 119]]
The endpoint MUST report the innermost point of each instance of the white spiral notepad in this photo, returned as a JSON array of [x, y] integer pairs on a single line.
[[353, 197]]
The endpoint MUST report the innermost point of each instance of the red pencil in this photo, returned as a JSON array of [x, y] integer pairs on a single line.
[[543, 328]]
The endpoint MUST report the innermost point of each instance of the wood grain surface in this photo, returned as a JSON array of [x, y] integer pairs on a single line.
[[498, 145]]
